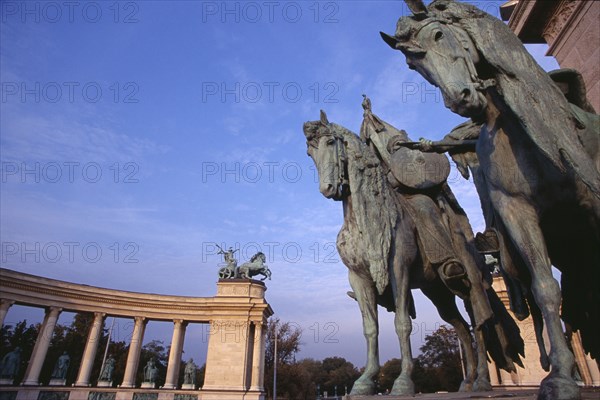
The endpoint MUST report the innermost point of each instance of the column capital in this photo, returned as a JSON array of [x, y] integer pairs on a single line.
[[54, 310], [140, 320], [6, 304], [99, 314], [180, 322]]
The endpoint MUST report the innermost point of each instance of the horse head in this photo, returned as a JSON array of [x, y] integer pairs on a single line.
[[436, 46], [325, 145], [260, 256]]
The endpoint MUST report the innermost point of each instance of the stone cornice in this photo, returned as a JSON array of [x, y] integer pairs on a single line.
[[244, 300], [528, 19], [559, 27]]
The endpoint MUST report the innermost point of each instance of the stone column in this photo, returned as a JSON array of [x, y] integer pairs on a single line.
[[38, 355], [4, 306], [580, 359], [493, 373], [133, 357], [258, 358], [89, 353], [175, 354]]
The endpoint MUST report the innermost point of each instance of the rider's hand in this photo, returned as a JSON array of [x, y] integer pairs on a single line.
[[425, 144]]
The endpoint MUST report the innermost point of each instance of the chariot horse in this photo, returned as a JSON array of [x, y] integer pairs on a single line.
[[538, 157], [378, 244], [256, 266]]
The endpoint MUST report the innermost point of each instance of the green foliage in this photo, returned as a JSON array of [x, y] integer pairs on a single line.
[[300, 379], [438, 367], [71, 339], [288, 345], [155, 350], [339, 373], [388, 374], [119, 351], [19, 335]]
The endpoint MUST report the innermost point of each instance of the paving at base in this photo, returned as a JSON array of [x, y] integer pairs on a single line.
[[523, 394]]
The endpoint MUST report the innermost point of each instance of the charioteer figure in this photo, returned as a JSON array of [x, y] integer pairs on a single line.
[[229, 271]]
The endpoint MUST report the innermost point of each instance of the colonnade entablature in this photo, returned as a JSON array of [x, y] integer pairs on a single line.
[[232, 365]]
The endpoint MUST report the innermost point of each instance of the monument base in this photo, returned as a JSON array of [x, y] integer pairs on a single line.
[[513, 393], [57, 382], [104, 384], [188, 386], [232, 395], [148, 385], [6, 381]]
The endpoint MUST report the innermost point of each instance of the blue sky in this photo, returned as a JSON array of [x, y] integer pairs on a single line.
[[135, 135]]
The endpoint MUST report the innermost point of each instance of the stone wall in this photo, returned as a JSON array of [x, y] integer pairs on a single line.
[[571, 28]]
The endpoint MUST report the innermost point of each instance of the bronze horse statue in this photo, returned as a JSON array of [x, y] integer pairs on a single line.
[[538, 157], [256, 266], [378, 243]]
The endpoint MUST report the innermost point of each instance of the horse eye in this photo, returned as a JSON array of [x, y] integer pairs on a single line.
[[330, 142], [438, 35]]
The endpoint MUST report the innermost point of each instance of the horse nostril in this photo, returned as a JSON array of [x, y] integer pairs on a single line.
[[466, 93]]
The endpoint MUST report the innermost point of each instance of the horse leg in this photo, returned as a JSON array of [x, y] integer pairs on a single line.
[[482, 382], [538, 327], [445, 303], [364, 290], [529, 240], [403, 385]]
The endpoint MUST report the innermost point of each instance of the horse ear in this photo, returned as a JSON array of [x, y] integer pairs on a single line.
[[324, 120], [390, 40], [417, 7]]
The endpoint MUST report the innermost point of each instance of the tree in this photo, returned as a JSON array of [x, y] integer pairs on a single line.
[[153, 350], [340, 373], [311, 375], [388, 374], [440, 361], [288, 345], [119, 351], [71, 339], [19, 335]]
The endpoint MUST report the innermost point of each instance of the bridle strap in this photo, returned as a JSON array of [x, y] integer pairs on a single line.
[[342, 160]]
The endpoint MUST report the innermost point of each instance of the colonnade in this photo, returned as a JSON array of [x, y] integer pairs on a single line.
[[237, 314]]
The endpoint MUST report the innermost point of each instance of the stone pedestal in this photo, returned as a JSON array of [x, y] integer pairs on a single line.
[[6, 381], [532, 373], [232, 344], [57, 382], [105, 384], [188, 386], [148, 385]]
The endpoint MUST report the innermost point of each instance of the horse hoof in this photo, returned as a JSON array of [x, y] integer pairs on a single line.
[[545, 362], [558, 387], [363, 388], [465, 386], [482, 385], [403, 386]]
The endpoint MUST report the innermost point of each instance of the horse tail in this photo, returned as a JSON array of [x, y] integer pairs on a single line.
[[502, 336]]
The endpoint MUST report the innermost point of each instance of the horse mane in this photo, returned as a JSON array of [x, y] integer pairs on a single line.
[[373, 205], [525, 88], [256, 256]]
